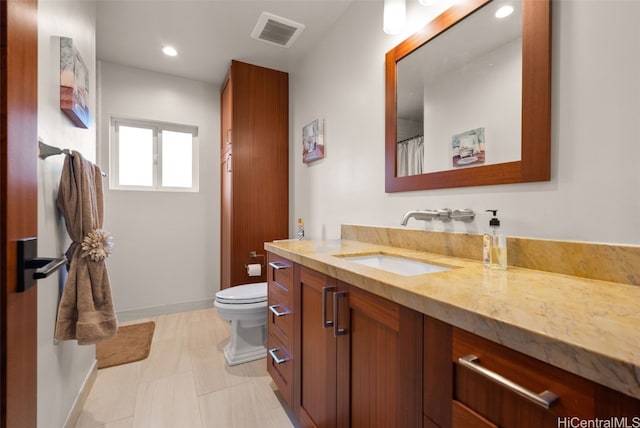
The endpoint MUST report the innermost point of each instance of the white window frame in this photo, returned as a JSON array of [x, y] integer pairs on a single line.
[[157, 128]]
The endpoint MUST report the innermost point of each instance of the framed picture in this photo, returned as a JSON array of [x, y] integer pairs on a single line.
[[313, 141], [74, 84], [468, 148]]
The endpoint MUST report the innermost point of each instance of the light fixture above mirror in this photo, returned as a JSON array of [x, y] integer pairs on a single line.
[[395, 15]]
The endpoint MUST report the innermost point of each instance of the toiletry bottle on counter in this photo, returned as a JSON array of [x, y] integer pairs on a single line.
[[497, 244], [300, 231]]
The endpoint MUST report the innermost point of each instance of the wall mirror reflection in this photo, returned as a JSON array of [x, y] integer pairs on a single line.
[[468, 98]]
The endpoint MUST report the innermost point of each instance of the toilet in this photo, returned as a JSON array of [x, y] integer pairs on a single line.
[[245, 307]]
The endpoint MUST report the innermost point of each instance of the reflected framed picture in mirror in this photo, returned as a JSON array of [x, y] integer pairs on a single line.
[[468, 148]]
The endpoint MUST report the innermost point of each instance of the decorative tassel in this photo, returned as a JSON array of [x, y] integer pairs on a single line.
[[97, 245]]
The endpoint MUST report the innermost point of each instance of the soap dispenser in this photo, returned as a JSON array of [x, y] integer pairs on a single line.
[[494, 250], [300, 230]]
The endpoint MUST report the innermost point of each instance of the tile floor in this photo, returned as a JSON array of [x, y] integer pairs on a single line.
[[185, 383]]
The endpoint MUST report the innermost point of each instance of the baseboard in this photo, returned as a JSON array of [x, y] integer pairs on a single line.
[[150, 312], [78, 404]]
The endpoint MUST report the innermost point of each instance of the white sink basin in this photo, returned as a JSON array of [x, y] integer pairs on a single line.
[[398, 265]]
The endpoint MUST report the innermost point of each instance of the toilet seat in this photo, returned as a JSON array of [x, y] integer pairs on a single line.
[[243, 294]]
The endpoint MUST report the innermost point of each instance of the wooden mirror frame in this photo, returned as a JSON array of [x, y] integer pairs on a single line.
[[535, 162]]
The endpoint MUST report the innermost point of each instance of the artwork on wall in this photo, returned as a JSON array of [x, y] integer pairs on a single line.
[[468, 148], [74, 84], [313, 141]]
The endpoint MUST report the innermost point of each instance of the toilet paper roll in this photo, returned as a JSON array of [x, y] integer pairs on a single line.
[[254, 269]]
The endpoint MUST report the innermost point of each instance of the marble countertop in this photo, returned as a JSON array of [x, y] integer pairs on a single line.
[[587, 327]]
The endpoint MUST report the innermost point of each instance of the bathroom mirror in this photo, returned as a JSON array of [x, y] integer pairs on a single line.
[[475, 92]]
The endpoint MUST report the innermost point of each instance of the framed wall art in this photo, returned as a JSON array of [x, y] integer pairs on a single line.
[[313, 141], [74, 84]]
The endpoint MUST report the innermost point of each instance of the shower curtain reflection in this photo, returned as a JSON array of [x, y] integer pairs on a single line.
[[410, 156]]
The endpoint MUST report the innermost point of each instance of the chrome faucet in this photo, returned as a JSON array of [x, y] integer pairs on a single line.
[[466, 215], [427, 215], [444, 215]]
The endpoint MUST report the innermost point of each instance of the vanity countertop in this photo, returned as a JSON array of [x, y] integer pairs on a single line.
[[587, 327]]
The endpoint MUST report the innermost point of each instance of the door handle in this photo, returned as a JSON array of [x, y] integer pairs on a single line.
[[337, 330], [32, 268], [326, 290]]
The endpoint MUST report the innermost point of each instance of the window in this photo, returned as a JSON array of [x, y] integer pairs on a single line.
[[154, 156]]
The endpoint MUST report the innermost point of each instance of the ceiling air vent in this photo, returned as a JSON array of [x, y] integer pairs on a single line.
[[276, 30]]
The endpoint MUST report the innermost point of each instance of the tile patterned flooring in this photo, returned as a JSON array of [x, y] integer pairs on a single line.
[[185, 383]]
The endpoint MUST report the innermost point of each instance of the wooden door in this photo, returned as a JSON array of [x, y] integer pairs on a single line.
[[18, 205], [379, 363], [315, 404]]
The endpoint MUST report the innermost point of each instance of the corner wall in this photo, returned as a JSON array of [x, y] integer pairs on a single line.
[[64, 366], [594, 193]]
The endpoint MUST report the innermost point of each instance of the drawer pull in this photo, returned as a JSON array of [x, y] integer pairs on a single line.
[[326, 290], [277, 360], [545, 399], [278, 265], [273, 309]]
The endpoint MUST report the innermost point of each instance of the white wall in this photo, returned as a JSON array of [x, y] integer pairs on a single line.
[[594, 193], [62, 367], [166, 244]]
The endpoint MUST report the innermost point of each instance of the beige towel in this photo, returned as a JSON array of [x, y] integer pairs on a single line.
[[85, 312]]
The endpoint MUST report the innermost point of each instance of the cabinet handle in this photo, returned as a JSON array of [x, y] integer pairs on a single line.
[[277, 360], [273, 309], [326, 290], [228, 136], [545, 399], [337, 331], [228, 163], [278, 265]]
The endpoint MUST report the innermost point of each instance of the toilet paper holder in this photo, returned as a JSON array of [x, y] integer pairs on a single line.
[[254, 255]]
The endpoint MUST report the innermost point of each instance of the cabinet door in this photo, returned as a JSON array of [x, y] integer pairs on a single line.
[[437, 372], [379, 362], [316, 402]]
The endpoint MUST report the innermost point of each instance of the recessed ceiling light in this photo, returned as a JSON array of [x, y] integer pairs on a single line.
[[504, 11], [169, 51]]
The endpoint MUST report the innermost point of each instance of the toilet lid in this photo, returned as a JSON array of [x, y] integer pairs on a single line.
[[248, 293]]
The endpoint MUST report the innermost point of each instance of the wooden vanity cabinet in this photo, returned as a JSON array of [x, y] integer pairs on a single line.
[[343, 357], [360, 357], [254, 165]]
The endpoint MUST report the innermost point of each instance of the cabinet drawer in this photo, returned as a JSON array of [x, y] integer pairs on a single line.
[[280, 276], [497, 401], [281, 321], [280, 367], [464, 417]]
